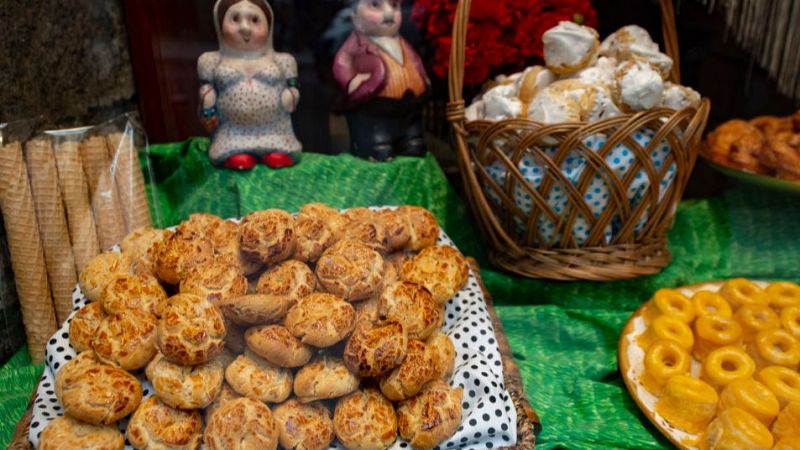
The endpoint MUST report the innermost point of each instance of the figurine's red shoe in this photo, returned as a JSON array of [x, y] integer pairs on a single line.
[[242, 161], [277, 160]]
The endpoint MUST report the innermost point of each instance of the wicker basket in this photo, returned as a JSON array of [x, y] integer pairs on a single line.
[[639, 246]]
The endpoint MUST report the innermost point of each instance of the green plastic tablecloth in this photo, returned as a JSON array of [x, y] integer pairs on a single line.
[[564, 335]]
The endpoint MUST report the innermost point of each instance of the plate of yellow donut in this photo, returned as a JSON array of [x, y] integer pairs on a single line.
[[715, 365]]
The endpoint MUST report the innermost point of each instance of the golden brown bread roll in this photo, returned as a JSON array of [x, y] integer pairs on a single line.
[[141, 245], [398, 230], [350, 269], [225, 394], [84, 325], [214, 280], [406, 380], [365, 420], [267, 236], [431, 417], [185, 387], [441, 269], [179, 253], [156, 425], [443, 353], [304, 426], [321, 319], [413, 306], [126, 340], [254, 309], [100, 270], [66, 433], [422, 226], [242, 424], [254, 377], [201, 224], [191, 330], [314, 235], [293, 279], [365, 226], [227, 246], [277, 345], [96, 393], [375, 349], [142, 292], [332, 217], [325, 377]]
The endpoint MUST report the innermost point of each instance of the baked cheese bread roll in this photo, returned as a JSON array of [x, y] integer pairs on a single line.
[[422, 226], [406, 380], [254, 309], [291, 278], [444, 355], [413, 306], [375, 349], [351, 269], [126, 340], [365, 419], [432, 417], [142, 292], [326, 377], [100, 270], [141, 245], [96, 393], [84, 325], [179, 253], [254, 377], [314, 235], [277, 345], [67, 433], [267, 236], [440, 269], [321, 319], [191, 330], [242, 424], [332, 217], [214, 281], [185, 387], [156, 425], [304, 426]]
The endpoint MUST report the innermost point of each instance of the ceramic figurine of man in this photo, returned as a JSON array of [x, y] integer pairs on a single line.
[[248, 90], [384, 81]]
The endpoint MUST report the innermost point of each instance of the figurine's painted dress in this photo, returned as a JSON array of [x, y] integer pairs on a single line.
[[252, 118]]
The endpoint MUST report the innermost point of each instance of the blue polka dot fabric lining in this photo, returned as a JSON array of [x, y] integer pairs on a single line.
[[488, 417], [621, 159]]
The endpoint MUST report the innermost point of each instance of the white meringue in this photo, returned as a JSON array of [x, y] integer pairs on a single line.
[[638, 86], [597, 76], [501, 102], [532, 81], [569, 47], [475, 111], [625, 37], [572, 101], [679, 97]]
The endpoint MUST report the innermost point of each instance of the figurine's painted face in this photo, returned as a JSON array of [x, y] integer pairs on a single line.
[[245, 26], [378, 17]]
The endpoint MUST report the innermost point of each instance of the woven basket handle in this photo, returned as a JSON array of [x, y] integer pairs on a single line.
[[456, 70]]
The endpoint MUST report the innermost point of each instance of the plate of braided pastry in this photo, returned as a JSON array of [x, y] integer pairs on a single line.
[[764, 150]]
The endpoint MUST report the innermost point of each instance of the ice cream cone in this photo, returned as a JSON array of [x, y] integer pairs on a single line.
[[52, 221], [75, 192], [27, 254], [103, 191], [130, 180]]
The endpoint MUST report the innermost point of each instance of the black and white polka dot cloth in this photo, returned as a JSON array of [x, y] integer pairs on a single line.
[[488, 418]]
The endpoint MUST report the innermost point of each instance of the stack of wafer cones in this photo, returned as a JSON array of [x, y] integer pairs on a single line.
[[52, 224], [27, 252], [75, 192], [130, 180], [106, 204]]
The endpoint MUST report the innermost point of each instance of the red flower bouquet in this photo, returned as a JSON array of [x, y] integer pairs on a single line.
[[502, 34]]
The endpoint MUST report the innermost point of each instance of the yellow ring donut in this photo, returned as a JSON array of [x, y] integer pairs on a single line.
[[670, 302], [727, 364], [755, 319], [736, 428], [776, 347], [708, 303], [663, 360], [712, 332], [783, 382], [783, 294], [753, 397], [687, 403], [788, 421], [740, 291], [790, 320], [668, 327]]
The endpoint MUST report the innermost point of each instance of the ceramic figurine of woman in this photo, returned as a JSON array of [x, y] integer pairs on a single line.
[[248, 90], [385, 83]]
